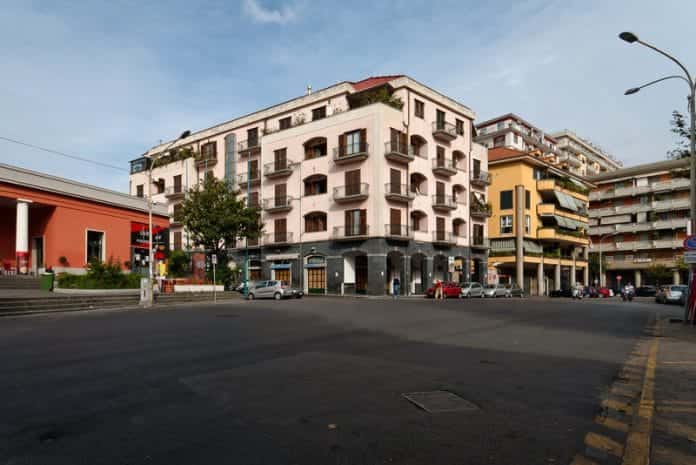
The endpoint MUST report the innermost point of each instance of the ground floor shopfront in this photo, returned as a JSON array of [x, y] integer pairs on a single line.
[[365, 267], [615, 277], [542, 274]]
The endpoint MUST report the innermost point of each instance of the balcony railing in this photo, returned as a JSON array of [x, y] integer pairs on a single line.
[[348, 153], [480, 178], [351, 192], [278, 237], [444, 202], [398, 152], [398, 192], [481, 210], [398, 231], [661, 186], [276, 204], [249, 146], [253, 178], [353, 232], [206, 161], [672, 204], [444, 130], [444, 237], [669, 243], [174, 191], [279, 168], [480, 242], [444, 166]]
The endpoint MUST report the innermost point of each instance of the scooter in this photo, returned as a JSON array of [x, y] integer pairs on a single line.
[[577, 293], [627, 296]]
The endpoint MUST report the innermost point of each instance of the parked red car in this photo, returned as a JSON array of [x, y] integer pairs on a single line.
[[450, 290]]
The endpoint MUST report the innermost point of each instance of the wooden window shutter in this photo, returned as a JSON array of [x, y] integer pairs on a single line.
[[363, 140], [363, 221], [348, 222], [341, 145], [395, 181]]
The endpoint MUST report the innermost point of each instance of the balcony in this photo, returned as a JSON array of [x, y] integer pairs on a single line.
[[444, 167], [398, 192], [444, 202], [398, 231], [254, 179], [398, 152], [175, 192], [674, 223], [561, 235], [351, 193], [277, 238], [661, 186], [444, 238], [672, 184], [351, 153], [566, 186], [571, 160], [249, 147], [634, 245], [206, 161], [278, 169], [277, 204], [480, 179], [479, 242], [355, 232], [480, 210], [672, 204], [444, 131], [669, 244]]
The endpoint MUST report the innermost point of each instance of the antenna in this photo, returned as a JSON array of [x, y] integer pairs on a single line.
[[309, 89]]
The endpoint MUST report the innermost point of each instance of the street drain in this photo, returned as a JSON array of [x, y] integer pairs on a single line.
[[50, 436], [439, 402]]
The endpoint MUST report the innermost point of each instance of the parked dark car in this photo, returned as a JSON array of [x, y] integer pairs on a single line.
[[449, 290], [561, 293], [646, 291]]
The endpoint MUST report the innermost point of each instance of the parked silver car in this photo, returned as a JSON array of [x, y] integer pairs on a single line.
[[513, 290], [273, 290], [675, 294], [494, 290], [472, 290]]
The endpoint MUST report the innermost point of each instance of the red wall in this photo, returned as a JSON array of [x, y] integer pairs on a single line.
[[63, 222]]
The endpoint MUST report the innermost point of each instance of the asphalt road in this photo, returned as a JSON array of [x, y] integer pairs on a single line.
[[312, 381]]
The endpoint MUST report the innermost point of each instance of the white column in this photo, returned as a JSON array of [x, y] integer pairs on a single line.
[[586, 271], [573, 269], [540, 279], [676, 278], [557, 276], [638, 281], [22, 236]]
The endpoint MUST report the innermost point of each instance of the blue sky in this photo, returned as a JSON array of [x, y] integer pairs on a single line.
[[107, 80]]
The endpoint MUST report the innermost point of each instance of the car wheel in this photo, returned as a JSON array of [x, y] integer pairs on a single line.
[[251, 297], [468, 295], [277, 296], [298, 296]]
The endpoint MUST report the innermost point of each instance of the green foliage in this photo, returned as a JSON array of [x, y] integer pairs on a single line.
[[379, 95], [658, 274], [215, 218], [567, 183], [179, 264], [176, 154], [680, 129], [100, 275]]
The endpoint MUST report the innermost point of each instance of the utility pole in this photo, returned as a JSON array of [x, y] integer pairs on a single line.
[[246, 242]]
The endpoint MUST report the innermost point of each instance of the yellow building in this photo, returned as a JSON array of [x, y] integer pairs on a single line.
[[539, 221]]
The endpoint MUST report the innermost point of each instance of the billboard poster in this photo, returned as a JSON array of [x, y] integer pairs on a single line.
[[140, 242]]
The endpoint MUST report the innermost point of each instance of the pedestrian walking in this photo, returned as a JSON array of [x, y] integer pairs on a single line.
[[396, 287], [438, 289]]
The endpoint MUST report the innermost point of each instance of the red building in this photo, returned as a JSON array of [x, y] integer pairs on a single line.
[[46, 221]]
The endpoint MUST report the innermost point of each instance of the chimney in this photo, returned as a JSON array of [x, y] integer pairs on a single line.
[[309, 89]]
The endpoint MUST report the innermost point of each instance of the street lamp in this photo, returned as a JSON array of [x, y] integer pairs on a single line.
[[153, 162], [686, 77]]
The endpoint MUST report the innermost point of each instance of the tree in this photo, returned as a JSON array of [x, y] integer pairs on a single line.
[[658, 274], [594, 265], [215, 218], [679, 128]]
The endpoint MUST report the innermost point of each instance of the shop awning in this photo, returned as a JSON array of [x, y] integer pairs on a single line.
[[280, 266], [569, 223]]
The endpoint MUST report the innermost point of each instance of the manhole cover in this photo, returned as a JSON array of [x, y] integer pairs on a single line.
[[439, 401]]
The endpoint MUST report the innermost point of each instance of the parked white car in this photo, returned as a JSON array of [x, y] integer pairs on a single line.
[[495, 290], [472, 290], [273, 290]]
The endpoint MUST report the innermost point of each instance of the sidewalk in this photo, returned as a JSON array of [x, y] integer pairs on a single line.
[[674, 429]]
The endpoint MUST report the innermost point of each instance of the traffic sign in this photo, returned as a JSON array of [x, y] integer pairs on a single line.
[[213, 259], [619, 278], [690, 243]]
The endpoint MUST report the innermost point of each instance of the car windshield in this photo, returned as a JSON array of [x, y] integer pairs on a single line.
[[491, 286], [678, 288]]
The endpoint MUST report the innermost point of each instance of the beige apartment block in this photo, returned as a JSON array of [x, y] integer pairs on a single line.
[[358, 183]]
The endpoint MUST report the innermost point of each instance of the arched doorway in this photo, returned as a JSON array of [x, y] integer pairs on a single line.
[[440, 270], [419, 278], [395, 269], [418, 183]]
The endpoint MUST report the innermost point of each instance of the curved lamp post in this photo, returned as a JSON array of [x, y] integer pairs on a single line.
[[631, 38], [153, 162]]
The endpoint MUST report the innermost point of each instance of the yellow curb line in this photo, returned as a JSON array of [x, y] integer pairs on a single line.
[[637, 450]]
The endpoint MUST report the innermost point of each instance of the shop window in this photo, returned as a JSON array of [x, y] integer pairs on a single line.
[[95, 246]]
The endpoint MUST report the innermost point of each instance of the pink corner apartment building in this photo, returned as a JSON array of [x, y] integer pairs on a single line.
[[359, 183]]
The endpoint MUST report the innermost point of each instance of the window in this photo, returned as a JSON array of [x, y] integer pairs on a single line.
[[527, 224], [506, 224], [177, 210], [315, 185], [284, 123], [460, 127], [177, 183], [478, 234], [159, 184], [252, 137], [353, 142], [440, 119], [315, 148], [319, 113], [208, 150], [315, 222], [499, 141], [95, 246], [177, 240], [538, 174], [505, 200], [517, 138], [500, 126], [139, 191], [355, 222], [352, 182], [419, 109], [527, 200]]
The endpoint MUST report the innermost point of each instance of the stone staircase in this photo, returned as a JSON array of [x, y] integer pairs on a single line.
[[18, 282]]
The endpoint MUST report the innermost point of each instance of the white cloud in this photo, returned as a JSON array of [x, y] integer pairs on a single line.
[[261, 14]]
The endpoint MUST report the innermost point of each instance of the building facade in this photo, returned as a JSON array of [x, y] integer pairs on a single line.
[[564, 149], [538, 223], [54, 222], [358, 183], [639, 217]]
